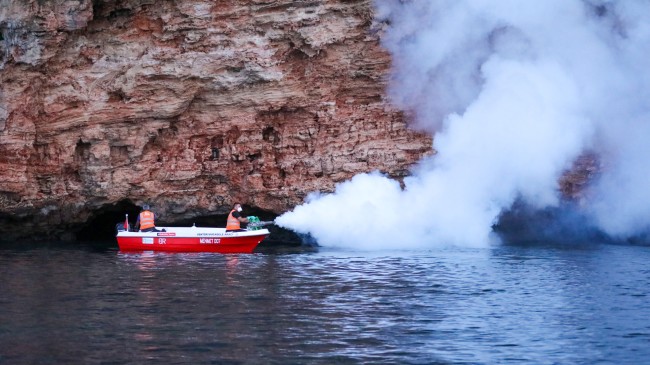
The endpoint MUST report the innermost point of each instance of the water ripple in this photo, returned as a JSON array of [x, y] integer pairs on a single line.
[[506, 305]]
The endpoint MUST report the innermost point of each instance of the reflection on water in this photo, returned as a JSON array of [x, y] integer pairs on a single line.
[[500, 305]]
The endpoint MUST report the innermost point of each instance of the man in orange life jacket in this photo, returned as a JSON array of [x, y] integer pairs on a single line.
[[146, 220], [235, 219]]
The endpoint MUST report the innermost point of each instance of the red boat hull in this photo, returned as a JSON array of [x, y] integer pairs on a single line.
[[169, 242]]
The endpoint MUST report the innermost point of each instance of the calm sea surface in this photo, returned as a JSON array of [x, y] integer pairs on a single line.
[[500, 305]]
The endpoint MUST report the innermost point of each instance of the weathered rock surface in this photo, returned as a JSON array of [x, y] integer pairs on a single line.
[[574, 183], [189, 105]]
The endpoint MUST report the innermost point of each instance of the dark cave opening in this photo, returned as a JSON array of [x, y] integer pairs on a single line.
[[100, 227]]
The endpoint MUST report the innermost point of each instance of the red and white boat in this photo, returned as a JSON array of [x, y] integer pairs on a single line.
[[192, 239]]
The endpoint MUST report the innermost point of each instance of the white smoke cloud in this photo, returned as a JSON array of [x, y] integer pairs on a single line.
[[514, 93]]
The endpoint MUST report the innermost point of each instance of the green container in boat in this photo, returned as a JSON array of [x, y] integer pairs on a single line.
[[253, 223]]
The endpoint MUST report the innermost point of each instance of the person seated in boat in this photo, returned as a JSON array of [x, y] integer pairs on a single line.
[[146, 220], [235, 219]]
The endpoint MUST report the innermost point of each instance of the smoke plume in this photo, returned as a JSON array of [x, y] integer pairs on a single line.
[[513, 93]]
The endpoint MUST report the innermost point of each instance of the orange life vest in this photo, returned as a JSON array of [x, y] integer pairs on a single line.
[[232, 222], [146, 220]]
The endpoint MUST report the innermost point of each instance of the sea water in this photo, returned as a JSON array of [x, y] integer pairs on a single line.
[[514, 304]]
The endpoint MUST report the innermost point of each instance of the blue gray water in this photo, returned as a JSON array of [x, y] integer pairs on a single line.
[[501, 305]]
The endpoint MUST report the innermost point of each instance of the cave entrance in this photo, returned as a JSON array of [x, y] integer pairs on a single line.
[[101, 225]]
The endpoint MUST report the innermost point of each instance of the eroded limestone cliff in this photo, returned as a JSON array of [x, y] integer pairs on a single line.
[[189, 105]]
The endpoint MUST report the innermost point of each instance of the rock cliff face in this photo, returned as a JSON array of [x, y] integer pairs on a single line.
[[189, 105]]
